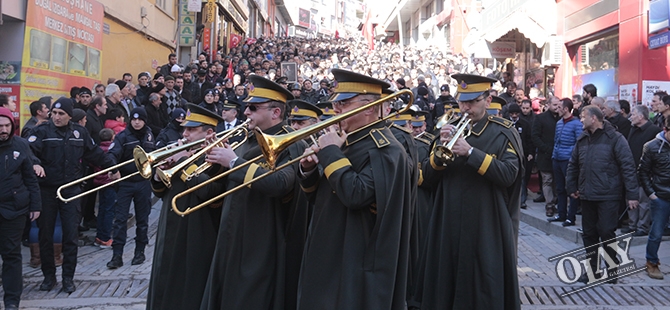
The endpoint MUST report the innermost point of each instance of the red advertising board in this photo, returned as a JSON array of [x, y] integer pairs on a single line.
[[62, 48]]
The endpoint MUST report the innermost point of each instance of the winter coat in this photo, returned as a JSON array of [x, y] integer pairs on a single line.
[[566, 136], [638, 136], [654, 169], [543, 132]]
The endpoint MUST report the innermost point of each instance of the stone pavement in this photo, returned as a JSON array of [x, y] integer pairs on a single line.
[[99, 288]]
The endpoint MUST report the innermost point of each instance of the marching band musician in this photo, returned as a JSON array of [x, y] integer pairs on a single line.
[[185, 245], [356, 253], [470, 253], [326, 110], [257, 257], [303, 114]]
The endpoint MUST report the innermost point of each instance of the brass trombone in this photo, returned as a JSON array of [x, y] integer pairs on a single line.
[[273, 145], [166, 175], [143, 160]]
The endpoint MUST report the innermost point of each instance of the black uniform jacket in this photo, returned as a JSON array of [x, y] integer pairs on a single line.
[[168, 135], [184, 245], [124, 144], [60, 151], [248, 270], [470, 253], [357, 251], [19, 192]]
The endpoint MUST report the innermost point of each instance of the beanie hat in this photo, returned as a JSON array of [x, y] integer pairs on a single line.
[[159, 87], [78, 114], [64, 104], [178, 112], [139, 76], [422, 91], [85, 91], [169, 78], [4, 112], [140, 113], [121, 84], [175, 68], [514, 108], [400, 81]]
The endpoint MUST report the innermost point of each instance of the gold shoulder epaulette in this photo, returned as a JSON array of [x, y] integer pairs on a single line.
[[287, 128], [423, 140], [501, 121], [405, 129], [379, 138], [429, 136]]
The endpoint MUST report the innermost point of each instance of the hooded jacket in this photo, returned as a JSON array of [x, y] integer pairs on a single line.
[[654, 169], [19, 190]]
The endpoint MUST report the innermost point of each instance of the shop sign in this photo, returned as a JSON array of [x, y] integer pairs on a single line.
[[10, 72], [13, 92], [496, 10], [503, 49], [187, 20], [659, 15], [300, 32], [628, 92], [650, 87], [659, 40], [62, 48], [210, 12], [237, 17], [304, 17], [193, 5]]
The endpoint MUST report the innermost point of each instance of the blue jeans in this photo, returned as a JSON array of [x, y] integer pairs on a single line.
[[106, 213], [35, 230], [140, 194], [660, 210], [565, 213]]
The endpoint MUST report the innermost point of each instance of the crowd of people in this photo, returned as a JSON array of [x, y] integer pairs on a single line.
[[335, 229]]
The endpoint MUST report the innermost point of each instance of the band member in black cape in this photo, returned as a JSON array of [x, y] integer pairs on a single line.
[[185, 245], [250, 269], [356, 253], [470, 254]]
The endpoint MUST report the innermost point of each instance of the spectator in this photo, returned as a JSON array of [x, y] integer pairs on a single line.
[[156, 117], [510, 89], [309, 94], [172, 99], [84, 98], [612, 112], [654, 172], [524, 129], [590, 92], [144, 90], [94, 117], [172, 132], [568, 129], [40, 114], [103, 237], [114, 96], [578, 104], [116, 121], [543, 133], [625, 108], [100, 90], [127, 77], [601, 166], [641, 132], [657, 108]]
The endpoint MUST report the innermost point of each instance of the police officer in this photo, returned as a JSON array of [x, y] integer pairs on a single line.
[[19, 198], [303, 114], [60, 145], [476, 205], [135, 189], [172, 132]]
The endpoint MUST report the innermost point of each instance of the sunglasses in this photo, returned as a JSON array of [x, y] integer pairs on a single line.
[[254, 108]]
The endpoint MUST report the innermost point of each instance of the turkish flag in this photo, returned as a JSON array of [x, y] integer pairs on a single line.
[[368, 31], [235, 40], [250, 41]]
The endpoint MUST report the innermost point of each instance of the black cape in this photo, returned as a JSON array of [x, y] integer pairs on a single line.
[[470, 253], [184, 245], [357, 249], [249, 265]]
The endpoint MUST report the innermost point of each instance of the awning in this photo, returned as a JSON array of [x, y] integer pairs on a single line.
[[444, 16], [536, 20]]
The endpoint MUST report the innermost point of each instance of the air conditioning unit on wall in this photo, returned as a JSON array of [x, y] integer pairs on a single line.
[[291, 31], [552, 54]]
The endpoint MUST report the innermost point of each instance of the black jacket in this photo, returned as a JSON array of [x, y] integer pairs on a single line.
[[157, 118], [60, 151], [523, 127], [601, 166], [621, 124], [542, 133], [638, 136], [124, 144], [654, 169], [168, 135], [310, 96], [94, 124], [19, 190]]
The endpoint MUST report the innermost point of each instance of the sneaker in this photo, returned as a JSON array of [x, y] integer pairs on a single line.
[[653, 271], [568, 223], [116, 262], [138, 258], [640, 233], [103, 244]]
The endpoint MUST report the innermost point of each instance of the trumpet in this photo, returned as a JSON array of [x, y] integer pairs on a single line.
[[143, 161], [167, 175], [273, 145], [444, 151]]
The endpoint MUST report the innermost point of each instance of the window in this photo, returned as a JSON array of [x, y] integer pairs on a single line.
[[166, 6], [598, 55], [439, 6]]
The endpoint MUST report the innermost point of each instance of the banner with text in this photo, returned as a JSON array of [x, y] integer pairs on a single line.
[[650, 87], [62, 48]]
